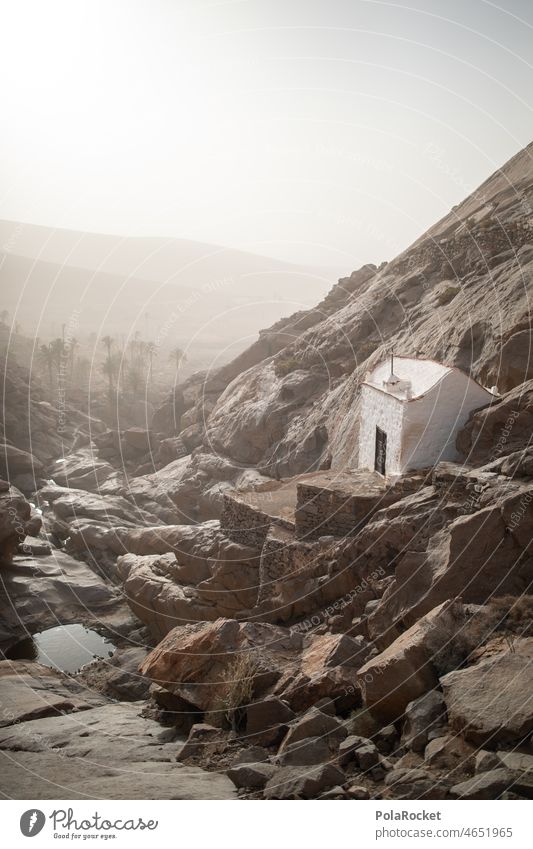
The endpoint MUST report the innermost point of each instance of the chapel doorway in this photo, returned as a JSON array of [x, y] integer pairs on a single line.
[[380, 459]]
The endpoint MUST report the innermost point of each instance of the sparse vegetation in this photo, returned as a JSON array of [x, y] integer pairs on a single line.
[[447, 294], [286, 365], [236, 692]]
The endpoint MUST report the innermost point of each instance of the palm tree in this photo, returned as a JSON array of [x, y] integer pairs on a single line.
[[178, 357], [108, 367], [73, 344], [57, 347], [46, 358], [151, 350]]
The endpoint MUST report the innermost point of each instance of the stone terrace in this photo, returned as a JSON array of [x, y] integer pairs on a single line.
[[312, 505]]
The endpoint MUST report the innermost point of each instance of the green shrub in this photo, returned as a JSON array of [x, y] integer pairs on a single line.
[[285, 366]]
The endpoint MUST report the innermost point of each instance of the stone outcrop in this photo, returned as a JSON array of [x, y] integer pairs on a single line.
[[15, 520], [56, 589], [72, 752], [405, 670], [490, 702]]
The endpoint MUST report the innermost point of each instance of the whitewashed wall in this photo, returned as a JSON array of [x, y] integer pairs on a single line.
[[431, 424], [384, 411]]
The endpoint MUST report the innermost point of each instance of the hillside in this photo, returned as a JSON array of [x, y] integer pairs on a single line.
[[284, 625], [460, 294]]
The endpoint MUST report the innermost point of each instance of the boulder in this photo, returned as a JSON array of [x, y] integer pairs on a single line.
[[450, 753], [404, 671], [490, 546], [197, 662], [251, 755], [358, 791], [83, 470], [15, 462], [501, 429], [405, 783], [303, 783], [322, 673], [202, 741], [485, 761], [194, 574], [139, 439], [251, 776], [268, 718], [487, 785], [312, 750], [314, 723], [15, 516], [490, 702], [424, 718], [347, 747]]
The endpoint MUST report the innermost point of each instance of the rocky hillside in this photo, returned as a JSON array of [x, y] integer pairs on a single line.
[[460, 294], [292, 626]]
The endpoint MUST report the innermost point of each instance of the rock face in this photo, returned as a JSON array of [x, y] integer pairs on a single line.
[[30, 691], [56, 589], [209, 576], [404, 671], [490, 702], [15, 520], [34, 426], [289, 404], [483, 543]]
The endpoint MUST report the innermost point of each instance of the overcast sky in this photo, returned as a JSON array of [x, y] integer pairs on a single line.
[[321, 131]]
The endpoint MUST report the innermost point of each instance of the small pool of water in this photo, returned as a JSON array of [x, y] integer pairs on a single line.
[[66, 647]]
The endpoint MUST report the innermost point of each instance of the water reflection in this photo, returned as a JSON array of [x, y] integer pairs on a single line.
[[66, 647]]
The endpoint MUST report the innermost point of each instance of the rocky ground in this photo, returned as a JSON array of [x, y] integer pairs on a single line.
[[394, 662]]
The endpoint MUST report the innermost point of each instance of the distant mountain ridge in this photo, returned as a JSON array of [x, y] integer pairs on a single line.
[[120, 285]]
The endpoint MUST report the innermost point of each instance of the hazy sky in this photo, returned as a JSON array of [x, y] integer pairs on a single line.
[[331, 131]]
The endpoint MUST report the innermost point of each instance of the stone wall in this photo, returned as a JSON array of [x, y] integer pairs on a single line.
[[330, 512], [283, 558], [242, 523]]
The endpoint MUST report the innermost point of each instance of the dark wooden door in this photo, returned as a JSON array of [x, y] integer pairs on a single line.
[[381, 451]]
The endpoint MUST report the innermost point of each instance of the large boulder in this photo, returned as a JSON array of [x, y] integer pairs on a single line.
[[206, 576], [303, 782], [404, 671], [487, 785], [424, 719], [207, 663], [470, 557], [502, 428], [15, 520], [83, 470], [490, 702]]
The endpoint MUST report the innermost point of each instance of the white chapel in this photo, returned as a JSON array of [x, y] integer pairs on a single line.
[[411, 412]]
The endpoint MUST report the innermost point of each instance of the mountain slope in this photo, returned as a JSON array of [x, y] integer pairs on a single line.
[[460, 294]]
